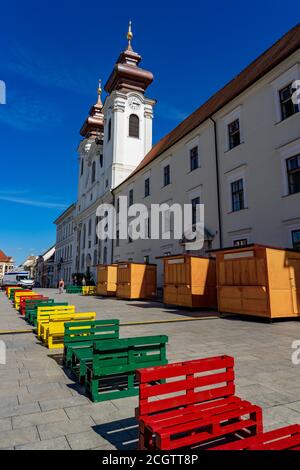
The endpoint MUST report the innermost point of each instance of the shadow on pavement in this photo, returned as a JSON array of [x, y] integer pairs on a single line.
[[123, 434]]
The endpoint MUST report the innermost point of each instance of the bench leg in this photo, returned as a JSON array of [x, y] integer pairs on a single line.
[[257, 416], [146, 441], [82, 372], [130, 380], [94, 389]]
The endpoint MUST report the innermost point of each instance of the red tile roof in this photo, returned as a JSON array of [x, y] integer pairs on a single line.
[[4, 258], [282, 49]]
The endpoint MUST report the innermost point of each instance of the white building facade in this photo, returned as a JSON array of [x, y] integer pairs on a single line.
[[64, 246], [238, 154]]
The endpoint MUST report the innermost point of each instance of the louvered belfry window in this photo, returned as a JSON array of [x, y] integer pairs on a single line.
[[134, 126]]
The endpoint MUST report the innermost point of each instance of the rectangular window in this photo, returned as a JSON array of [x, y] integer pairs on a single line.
[[118, 205], [237, 195], [147, 187], [147, 227], [296, 239], [96, 236], [293, 173], [130, 201], [118, 238], [288, 108], [240, 242], [194, 161], [234, 135], [195, 204], [146, 259], [167, 175]]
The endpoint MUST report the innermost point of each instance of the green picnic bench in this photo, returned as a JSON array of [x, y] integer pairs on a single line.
[[32, 314], [74, 289], [30, 305], [112, 372], [79, 338]]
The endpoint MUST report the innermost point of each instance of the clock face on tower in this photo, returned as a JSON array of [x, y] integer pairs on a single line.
[[134, 103]]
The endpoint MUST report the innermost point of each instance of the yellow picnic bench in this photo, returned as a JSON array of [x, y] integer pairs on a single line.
[[20, 294], [52, 333], [45, 313], [88, 290]]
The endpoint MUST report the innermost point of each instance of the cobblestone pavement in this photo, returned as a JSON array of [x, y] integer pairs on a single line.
[[42, 408]]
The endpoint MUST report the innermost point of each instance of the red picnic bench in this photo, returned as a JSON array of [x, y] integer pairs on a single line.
[[287, 438], [195, 404]]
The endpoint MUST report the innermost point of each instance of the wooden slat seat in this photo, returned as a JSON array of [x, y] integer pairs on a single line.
[[286, 438], [52, 333], [195, 404], [83, 334], [112, 373]]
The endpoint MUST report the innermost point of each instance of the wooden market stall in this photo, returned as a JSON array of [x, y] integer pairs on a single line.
[[136, 280], [259, 280], [190, 281], [106, 279]]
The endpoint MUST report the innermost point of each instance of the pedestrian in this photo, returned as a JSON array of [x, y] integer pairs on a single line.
[[83, 281], [75, 281], [61, 286]]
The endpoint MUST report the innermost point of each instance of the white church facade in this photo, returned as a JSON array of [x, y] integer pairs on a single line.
[[238, 154]]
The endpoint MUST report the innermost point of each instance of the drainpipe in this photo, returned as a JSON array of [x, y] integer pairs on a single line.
[[218, 183]]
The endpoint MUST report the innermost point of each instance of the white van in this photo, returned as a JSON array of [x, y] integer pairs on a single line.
[[18, 278]]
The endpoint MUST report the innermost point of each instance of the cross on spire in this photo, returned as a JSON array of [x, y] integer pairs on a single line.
[[129, 37]]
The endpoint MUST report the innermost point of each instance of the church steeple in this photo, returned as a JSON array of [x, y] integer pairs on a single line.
[[94, 123], [127, 75]]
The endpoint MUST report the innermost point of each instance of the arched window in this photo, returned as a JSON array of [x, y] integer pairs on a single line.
[[109, 131], [134, 126], [95, 257], [82, 262], [88, 261], [94, 172]]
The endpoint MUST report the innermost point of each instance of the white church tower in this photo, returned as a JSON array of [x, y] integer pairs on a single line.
[[116, 137], [128, 115]]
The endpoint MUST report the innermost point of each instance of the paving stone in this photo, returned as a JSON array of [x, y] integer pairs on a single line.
[[60, 443], [85, 440], [8, 400], [63, 427], [38, 418], [102, 412], [19, 410], [36, 373], [47, 405], [5, 424], [16, 437], [55, 390], [295, 406], [59, 377], [281, 413]]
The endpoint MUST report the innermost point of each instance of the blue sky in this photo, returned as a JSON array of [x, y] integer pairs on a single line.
[[52, 54]]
